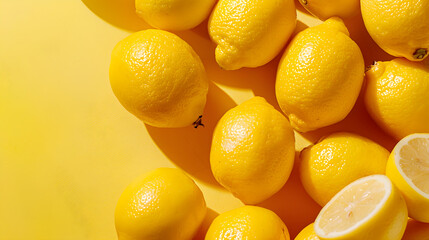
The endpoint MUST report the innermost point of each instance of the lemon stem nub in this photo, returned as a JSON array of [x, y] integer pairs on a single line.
[[420, 53], [198, 122], [304, 2]]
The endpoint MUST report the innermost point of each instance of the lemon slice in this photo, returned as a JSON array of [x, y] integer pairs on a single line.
[[408, 167], [368, 208]]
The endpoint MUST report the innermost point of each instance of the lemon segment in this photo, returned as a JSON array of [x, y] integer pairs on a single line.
[[408, 167], [369, 208]]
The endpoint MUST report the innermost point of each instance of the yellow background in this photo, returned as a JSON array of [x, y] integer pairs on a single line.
[[68, 148]]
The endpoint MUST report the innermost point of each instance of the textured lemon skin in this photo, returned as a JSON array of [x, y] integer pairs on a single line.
[[174, 15], [159, 78], [248, 222], [399, 27], [250, 33], [336, 161], [396, 96], [418, 205], [389, 223], [319, 76], [307, 233], [252, 151], [416, 231], [164, 204], [324, 9]]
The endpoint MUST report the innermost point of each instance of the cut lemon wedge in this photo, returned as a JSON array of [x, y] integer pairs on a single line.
[[368, 208], [408, 168]]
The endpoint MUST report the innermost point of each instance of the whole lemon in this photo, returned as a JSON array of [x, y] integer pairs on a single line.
[[319, 76], [397, 96], [174, 15], [159, 78], [164, 204], [325, 9], [252, 151], [307, 233], [399, 27], [248, 222], [337, 160], [250, 33]]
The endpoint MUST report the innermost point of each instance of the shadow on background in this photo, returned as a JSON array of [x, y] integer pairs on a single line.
[[210, 216], [293, 205], [189, 148], [119, 13]]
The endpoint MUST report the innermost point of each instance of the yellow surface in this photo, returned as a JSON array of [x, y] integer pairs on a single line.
[[68, 148]]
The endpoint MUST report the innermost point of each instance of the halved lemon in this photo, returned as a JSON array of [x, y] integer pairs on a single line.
[[408, 168], [369, 208]]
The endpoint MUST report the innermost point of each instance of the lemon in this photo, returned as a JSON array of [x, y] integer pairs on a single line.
[[319, 76], [164, 204], [250, 33], [307, 233], [159, 78], [416, 231], [337, 160], [370, 208], [397, 96], [408, 167], [174, 15], [399, 27], [248, 222], [252, 151], [325, 9]]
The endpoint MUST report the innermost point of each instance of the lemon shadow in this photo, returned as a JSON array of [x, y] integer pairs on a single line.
[[119, 13], [292, 203], [210, 216], [189, 148]]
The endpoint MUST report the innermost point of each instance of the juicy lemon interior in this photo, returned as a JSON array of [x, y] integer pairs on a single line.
[[352, 205], [414, 162]]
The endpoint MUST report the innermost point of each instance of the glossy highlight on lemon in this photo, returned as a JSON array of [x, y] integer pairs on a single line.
[[399, 27], [369, 208], [319, 76], [164, 204], [250, 33], [396, 96], [336, 161], [408, 167], [252, 152], [248, 222], [159, 78], [174, 15]]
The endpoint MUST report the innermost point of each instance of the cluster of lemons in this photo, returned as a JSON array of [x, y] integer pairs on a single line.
[[366, 191]]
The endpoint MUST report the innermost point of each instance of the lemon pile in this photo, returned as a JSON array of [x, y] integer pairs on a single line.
[[366, 191]]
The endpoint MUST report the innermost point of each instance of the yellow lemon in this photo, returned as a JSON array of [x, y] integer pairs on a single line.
[[399, 27], [164, 204], [248, 222], [252, 151], [319, 76], [307, 233], [416, 231], [174, 15], [408, 167], [159, 78], [369, 208], [337, 160], [397, 96], [250, 33], [325, 9]]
